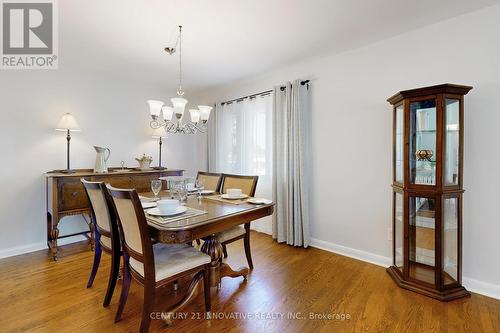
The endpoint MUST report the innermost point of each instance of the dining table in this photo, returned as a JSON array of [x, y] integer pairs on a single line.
[[213, 216]]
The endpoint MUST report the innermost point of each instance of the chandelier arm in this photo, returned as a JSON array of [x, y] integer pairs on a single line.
[[201, 129], [171, 127], [189, 130], [155, 124]]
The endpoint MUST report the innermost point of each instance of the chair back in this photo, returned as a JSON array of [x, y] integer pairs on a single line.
[[134, 230], [247, 184], [211, 181], [101, 209]]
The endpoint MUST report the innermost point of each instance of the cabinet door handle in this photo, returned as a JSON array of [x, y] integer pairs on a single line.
[[74, 194]]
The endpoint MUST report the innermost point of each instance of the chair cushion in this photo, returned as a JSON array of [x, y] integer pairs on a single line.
[[230, 233], [106, 241], [172, 259]]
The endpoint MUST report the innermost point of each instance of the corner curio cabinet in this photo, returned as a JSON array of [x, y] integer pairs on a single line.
[[427, 190]]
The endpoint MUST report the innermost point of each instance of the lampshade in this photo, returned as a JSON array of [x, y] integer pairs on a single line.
[[159, 133], [155, 107], [195, 115], [179, 105], [67, 122], [205, 111], [168, 112]]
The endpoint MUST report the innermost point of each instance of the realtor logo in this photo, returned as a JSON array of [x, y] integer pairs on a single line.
[[29, 36]]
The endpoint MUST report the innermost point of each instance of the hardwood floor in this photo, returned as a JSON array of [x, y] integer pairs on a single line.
[[38, 295]]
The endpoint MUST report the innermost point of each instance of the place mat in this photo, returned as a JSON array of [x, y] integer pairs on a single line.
[[191, 212], [234, 202], [148, 199]]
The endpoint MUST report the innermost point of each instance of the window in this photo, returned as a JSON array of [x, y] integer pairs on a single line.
[[245, 139]]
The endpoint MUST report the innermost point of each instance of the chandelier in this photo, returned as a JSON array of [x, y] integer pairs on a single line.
[[199, 117]]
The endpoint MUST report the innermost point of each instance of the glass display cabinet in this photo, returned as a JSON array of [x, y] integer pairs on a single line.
[[427, 190]]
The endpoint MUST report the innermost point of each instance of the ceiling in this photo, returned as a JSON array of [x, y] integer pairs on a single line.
[[227, 40]]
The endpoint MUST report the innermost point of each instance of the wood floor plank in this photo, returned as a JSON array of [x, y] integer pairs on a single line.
[[290, 290]]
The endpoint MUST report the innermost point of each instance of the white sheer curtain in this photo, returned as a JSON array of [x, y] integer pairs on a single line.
[[241, 142]]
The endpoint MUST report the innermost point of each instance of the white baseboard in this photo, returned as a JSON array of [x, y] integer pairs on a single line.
[[262, 229], [18, 250], [352, 253], [14, 251], [473, 285], [481, 287]]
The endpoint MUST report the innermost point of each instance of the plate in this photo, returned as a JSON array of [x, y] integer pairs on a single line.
[[226, 196], [156, 211], [146, 205], [259, 201]]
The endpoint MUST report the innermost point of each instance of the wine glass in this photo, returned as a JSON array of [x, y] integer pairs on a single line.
[[199, 187], [156, 187]]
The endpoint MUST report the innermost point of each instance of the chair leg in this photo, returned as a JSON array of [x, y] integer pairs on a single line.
[[149, 299], [125, 288], [224, 250], [246, 241], [95, 266], [113, 276], [206, 289]]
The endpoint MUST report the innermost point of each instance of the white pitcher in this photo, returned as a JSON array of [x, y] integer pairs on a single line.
[[101, 159]]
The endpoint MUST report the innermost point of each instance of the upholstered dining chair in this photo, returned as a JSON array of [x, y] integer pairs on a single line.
[[211, 181], [153, 266], [106, 235], [247, 184]]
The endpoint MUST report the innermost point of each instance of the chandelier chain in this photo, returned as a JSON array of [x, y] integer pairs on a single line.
[[180, 92]]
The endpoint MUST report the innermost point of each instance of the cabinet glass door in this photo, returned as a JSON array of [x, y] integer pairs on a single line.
[[421, 239], [398, 154], [451, 163], [423, 142], [450, 241], [398, 230]]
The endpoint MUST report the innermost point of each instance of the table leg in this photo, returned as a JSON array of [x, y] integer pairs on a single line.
[[218, 269]]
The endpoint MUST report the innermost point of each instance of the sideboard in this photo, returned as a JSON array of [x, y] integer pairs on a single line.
[[66, 195]]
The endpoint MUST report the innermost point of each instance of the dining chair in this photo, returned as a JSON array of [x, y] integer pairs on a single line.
[[248, 185], [106, 236], [153, 266], [211, 181]]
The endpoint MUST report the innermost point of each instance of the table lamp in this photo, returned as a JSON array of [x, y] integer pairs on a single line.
[[68, 124], [159, 134]]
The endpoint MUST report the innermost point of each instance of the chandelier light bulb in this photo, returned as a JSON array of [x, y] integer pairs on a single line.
[[179, 105], [195, 115], [155, 107], [168, 112], [204, 111]]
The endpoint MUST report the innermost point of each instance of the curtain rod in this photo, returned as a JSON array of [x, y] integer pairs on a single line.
[[263, 93]]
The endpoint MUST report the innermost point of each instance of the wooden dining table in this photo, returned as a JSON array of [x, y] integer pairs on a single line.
[[219, 216]]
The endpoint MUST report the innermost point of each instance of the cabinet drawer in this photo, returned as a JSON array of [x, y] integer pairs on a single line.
[[116, 181], [71, 195], [142, 183]]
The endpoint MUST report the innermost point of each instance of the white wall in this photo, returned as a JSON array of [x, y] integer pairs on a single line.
[[352, 135], [112, 112]]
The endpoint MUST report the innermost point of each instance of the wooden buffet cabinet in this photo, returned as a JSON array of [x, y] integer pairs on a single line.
[[66, 195]]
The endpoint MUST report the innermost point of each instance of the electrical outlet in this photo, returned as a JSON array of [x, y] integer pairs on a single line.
[[389, 234]]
